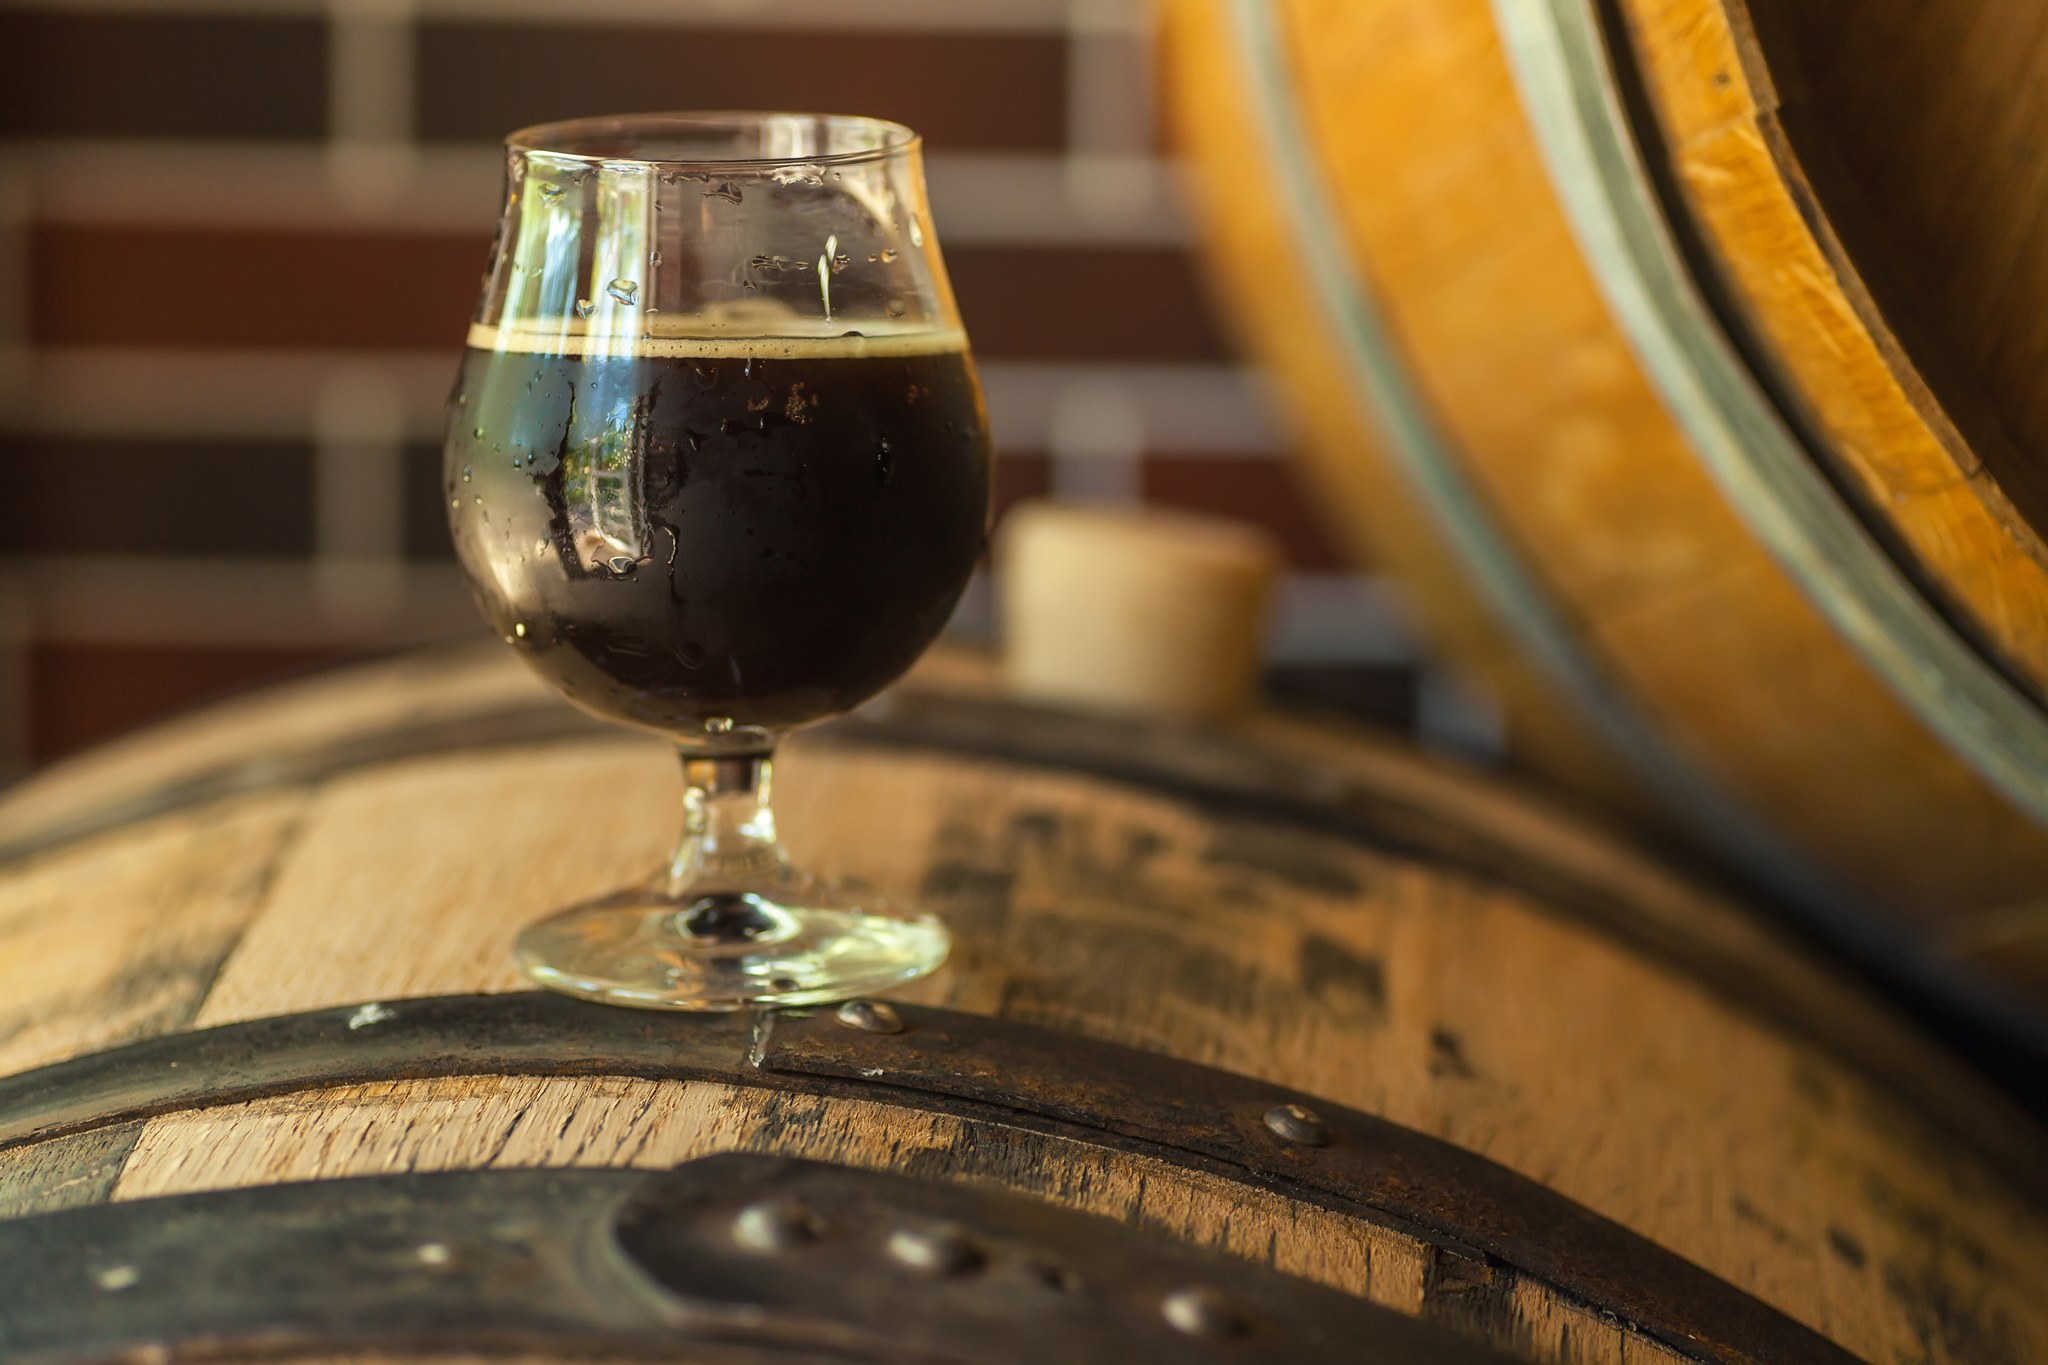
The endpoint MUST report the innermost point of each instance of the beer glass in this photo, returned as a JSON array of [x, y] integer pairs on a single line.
[[717, 467]]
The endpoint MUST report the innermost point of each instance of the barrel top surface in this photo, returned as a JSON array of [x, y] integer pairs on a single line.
[[1285, 901]]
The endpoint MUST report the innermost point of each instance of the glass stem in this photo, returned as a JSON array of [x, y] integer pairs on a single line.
[[728, 825]]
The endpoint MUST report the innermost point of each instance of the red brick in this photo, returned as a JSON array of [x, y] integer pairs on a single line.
[[129, 75], [132, 285], [989, 91], [1266, 492]]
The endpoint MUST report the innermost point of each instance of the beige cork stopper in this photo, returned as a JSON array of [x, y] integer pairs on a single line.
[[1133, 609]]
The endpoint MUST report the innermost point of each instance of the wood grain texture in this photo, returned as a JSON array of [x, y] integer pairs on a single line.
[[68, 1172], [121, 936], [472, 1124], [1802, 296], [1930, 123], [1469, 259], [1456, 1003]]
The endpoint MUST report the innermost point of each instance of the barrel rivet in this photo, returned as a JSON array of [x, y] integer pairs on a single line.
[[937, 1252], [1200, 1311], [870, 1016], [773, 1226], [1298, 1123]]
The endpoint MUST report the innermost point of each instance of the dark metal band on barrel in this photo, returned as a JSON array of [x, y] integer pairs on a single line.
[[973, 1067], [784, 1259]]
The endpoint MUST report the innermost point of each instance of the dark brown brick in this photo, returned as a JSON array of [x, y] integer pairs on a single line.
[[155, 496], [133, 75], [963, 91], [1084, 303], [129, 285], [84, 694], [1266, 492]]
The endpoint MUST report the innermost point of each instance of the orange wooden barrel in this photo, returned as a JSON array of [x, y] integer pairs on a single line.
[[1261, 1042], [1686, 364]]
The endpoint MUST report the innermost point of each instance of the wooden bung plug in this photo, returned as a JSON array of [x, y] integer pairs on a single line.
[[1133, 609]]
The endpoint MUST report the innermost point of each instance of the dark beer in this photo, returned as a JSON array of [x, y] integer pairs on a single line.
[[697, 534]]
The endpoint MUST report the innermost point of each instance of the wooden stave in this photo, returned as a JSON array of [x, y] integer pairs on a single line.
[[1720, 769], [260, 1124], [1361, 787]]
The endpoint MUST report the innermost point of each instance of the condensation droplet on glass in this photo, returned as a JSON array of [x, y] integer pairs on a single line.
[[888, 254], [624, 290], [466, 473], [896, 307], [584, 307], [654, 258], [624, 563], [476, 433], [540, 547], [478, 500], [550, 191], [916, 231], [461, 400], [519, 629]]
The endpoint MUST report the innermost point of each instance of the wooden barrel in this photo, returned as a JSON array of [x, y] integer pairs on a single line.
[[1688, 370], [1367, 1058]]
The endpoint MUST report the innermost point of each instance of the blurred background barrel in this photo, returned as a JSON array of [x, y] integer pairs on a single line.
[[1687, 369]]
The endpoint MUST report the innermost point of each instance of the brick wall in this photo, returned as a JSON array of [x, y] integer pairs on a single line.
[[239, 243]]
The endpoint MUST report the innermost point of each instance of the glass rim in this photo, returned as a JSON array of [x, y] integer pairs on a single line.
[[557, 139]]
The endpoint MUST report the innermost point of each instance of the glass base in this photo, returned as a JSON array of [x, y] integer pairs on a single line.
[[725, 950]]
